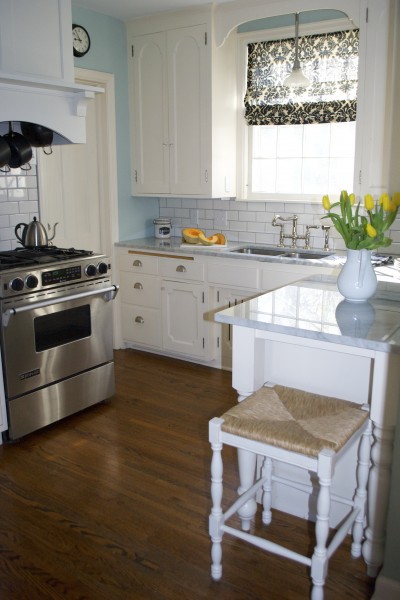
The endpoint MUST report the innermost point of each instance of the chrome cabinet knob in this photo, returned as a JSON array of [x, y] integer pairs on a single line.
[[138, 286], [137, 263], [139, 319], [181, 269]]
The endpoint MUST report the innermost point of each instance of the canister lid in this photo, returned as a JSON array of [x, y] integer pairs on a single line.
[[162, 221]]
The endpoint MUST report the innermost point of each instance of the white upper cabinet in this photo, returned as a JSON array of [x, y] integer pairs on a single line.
[[182, 127], [169, 112], [149, 115], [36, 40]]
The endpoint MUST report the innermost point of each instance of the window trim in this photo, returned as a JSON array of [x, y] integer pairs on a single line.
[[243, 137]]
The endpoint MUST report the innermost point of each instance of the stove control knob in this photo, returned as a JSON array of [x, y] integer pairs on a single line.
[[102, 268], [31, 281], [90, 270], [17, 284]]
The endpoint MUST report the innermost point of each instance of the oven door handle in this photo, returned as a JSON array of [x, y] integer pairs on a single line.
[[109, 293]]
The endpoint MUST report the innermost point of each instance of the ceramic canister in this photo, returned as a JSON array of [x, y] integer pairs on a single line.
[[162, 228]]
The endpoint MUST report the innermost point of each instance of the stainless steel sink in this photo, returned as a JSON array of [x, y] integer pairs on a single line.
[[306, 255], [283, 253], [262, 251]]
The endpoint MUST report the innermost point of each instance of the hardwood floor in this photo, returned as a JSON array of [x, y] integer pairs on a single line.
[[113, 503]]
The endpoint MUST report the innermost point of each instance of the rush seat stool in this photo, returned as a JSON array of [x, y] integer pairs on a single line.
[[299, 428]]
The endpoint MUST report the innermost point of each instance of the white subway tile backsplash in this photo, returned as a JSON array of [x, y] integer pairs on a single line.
[[18, 194], [9, 208], [252, 221], [8, 181], [247, 216], [18, 203], [28, 206], [5, 221]]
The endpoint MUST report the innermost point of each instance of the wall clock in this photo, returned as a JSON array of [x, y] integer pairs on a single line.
[[80, 40]]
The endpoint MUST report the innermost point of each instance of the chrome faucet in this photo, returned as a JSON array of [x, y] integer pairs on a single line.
[[293, 236], [325, 229], [282, 234], [307, 236]]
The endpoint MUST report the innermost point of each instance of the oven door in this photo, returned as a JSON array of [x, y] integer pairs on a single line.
[[46, 342]]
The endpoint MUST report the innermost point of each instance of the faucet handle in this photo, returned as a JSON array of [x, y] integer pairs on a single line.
[[274, 220], [325, 229], [307, 236]]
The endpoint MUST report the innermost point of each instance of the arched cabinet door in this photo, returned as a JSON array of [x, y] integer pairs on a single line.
[[168, 104]]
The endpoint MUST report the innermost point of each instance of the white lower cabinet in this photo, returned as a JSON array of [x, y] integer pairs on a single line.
[[140, 300], [168, 301], [225, 298], [162, 304], [183, 306]]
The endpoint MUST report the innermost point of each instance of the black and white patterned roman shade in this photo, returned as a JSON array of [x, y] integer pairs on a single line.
[[330, 61]]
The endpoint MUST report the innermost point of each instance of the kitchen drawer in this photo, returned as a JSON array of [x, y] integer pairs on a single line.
[[181, 268], [138, 263], [141, 325], [140, 289], [233, 275]]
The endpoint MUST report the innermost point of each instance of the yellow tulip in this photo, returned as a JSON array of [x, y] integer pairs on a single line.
[[369, 202], [385, 201], [352, 199], [396, 198], [326, 202], [371, 231]]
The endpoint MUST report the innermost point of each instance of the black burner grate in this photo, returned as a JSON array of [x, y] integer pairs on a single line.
[[23, 257]]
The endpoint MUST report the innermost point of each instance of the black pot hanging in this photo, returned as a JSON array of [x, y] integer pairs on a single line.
[[5, 152], [37, 135], [21, 150]]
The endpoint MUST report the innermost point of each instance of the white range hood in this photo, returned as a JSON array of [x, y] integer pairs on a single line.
[[37, 69], [60, 108]]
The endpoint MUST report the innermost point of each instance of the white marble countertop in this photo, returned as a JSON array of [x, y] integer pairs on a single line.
[[174, 245], [313, 308]]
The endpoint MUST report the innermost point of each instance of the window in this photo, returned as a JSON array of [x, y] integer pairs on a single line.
[[299, 142]]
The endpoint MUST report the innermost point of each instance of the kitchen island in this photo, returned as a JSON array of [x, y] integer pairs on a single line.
[[306, 335]]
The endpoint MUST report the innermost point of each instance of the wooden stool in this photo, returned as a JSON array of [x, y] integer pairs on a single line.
[[302, 429]]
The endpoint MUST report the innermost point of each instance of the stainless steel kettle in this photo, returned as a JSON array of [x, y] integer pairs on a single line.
[[34, 234]]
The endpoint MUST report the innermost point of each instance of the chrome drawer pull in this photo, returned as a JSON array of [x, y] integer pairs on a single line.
[[137, 263], [181, 269], [139, 320], [138, 286]]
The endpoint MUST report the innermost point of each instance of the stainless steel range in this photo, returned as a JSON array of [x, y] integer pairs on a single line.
[[56, 334]]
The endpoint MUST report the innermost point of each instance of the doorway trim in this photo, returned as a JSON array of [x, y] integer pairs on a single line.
[[107, 128]]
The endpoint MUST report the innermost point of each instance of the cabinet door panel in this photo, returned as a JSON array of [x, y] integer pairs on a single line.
[[225, 298], [187, 110], [150, 115], [182, 315]]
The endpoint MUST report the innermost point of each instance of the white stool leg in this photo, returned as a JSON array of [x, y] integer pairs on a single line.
[[215, 519], [267, 490], [247, 468], [378, 494], [319, 561], [360, 499]]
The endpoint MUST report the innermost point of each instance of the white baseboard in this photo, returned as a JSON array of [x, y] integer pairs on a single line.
[[386, 589]]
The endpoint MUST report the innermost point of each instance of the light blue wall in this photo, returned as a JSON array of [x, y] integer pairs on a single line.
[[108, 53], [311, 16]]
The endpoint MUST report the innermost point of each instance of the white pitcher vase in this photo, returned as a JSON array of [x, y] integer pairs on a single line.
[[357, 280]]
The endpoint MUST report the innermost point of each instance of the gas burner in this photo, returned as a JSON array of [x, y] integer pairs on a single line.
[[25, 257]]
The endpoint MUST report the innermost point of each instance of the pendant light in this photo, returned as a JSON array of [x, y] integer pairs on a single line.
[[296, 77]]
